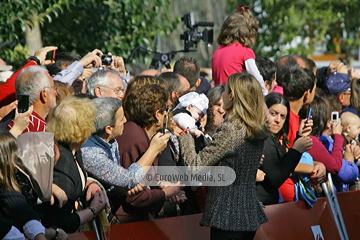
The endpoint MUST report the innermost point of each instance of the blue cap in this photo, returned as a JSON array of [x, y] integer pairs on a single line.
[[338, 82]]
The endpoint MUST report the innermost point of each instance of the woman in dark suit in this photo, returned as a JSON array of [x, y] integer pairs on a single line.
[[72, 123], [233, 211]]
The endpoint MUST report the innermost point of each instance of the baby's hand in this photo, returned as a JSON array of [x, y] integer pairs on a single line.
[[196, 132]]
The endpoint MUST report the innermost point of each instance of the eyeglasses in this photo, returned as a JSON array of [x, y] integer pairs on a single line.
[[347, 93], [116, 90]]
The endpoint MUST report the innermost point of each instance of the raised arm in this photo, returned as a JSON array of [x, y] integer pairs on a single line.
[[226, 138], [278, 168], [251, 67], [98, 163], [73, 71]]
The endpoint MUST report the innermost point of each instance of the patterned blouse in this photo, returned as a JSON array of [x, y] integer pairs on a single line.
[[98, 163]]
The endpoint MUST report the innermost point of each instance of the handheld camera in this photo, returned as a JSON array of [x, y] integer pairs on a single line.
[[335, 117], [23, 103], [51, 55]]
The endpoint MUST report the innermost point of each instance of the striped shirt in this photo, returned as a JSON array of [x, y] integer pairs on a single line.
[[37, 124]]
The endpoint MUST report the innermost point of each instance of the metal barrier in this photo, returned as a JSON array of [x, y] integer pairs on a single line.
[[335, 207], [92, 223], [286, 221], [335, 217]]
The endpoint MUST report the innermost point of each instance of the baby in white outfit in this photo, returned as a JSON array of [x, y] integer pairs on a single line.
[[195, 106]]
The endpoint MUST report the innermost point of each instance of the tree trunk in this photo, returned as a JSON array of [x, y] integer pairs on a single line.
[[33, 35]]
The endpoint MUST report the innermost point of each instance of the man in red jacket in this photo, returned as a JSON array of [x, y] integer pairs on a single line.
[[7, 90]]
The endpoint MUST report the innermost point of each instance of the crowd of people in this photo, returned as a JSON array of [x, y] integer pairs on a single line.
[[91, 132]]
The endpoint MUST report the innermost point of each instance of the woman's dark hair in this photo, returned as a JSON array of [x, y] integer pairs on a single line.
[[355, 95], [321, 112], [142, 101], [277, 98], [214, 95]]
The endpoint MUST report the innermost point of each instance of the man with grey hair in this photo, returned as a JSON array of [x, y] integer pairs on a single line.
[[105, 83], [176, 84], [36, 82]]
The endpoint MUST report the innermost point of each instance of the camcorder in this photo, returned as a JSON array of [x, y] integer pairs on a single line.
[[193, 35]]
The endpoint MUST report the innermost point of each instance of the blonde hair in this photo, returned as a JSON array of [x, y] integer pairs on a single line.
[[248, 105], [73, 120], [239, 27], [8, 157]]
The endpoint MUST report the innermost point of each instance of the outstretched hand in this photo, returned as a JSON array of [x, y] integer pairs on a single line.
[[159, 142], [318, 174], [303, 144], [92, 59], [41, 54], [135, 190], [5, 110], [196, 132], [117, 64], [21, 122]]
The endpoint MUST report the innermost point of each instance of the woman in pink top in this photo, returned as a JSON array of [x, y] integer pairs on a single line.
[[237, 35]]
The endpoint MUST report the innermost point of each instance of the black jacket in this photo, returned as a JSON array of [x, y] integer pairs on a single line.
[[277, 164], [67, 177]]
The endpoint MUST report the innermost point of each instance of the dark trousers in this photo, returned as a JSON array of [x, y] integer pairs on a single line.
[[218, 234]]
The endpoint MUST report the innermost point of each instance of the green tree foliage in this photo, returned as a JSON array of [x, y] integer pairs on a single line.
[[15, 15], [298, 26], [80, 26], [111, 26]]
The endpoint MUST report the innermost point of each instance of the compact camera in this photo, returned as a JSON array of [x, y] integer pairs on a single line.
[[106, 60]]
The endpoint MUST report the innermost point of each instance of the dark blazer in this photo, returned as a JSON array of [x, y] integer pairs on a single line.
[[13, 206], [234, 207], [5, 226], [277, 164], [133, 143], [67, 177]]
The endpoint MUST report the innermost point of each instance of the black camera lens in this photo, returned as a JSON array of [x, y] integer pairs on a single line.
[[106, 60]]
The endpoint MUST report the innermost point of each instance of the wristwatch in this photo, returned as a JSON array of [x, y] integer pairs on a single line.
[[35, 59], [93, 211], [56, 232]]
